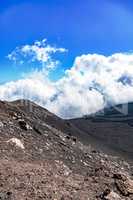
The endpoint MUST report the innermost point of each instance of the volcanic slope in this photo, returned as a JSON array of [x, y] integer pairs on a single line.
[[45, 157]]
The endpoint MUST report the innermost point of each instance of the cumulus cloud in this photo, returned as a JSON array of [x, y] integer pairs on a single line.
[[40, 52], [93, 82]]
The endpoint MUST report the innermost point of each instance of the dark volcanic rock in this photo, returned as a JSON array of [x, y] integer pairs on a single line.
[[23, 125]]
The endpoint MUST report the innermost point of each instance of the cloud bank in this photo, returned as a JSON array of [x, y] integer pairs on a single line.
[[93, 82]]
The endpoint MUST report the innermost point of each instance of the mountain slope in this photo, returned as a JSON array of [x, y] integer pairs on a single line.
[[113, 128], [45, 157]]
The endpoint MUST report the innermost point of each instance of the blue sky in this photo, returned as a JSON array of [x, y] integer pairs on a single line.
[[82, 26]]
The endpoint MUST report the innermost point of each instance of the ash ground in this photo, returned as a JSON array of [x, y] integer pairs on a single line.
[[45, 157]]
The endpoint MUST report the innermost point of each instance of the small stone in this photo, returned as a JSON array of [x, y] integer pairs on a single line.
[[113, 196], [23, 125], [1, 125], [74, 139], [93, 151]]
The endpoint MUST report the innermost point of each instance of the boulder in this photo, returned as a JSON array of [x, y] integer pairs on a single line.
[[16, 142]]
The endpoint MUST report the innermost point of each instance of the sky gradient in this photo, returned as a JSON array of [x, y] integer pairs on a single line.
[[84, 26], [72, 57]]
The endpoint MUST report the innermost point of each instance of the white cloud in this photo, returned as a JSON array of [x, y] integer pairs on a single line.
[[40, 52], [91, 83]]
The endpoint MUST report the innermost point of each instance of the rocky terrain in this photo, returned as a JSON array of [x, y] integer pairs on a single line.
[[45, 157]]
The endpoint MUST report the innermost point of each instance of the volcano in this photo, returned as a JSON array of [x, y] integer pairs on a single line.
[[45, 157]]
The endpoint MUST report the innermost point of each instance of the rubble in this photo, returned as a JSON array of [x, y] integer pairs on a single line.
[[124, 184], [42, 161]]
